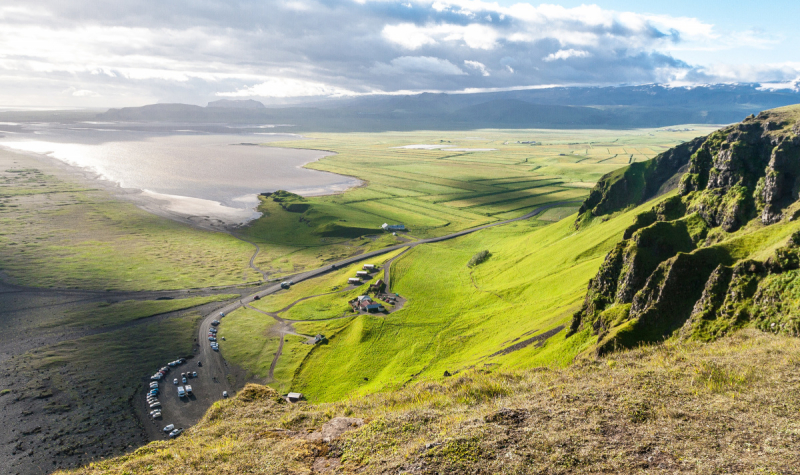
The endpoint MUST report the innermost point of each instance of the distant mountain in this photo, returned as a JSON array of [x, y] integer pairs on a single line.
[[237, 104], [562, 107]]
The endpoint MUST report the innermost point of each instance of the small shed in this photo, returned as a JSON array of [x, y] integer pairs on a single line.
[[378, 286], [294, 397]]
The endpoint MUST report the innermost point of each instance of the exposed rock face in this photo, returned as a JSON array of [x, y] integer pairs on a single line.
[[667, 274], [637, 182]]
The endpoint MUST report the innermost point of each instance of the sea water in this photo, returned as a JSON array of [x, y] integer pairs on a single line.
[[196, 173]]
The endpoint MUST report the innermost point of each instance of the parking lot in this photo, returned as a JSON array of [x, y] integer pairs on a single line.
[[207, 387]]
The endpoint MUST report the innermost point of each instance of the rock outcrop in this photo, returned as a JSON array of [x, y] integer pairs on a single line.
[[675, 271]]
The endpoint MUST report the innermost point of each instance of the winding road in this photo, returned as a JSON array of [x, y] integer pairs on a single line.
[[208, 355]]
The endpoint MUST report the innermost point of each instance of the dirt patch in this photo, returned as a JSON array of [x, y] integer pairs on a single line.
[[538, 339], [335, 427]]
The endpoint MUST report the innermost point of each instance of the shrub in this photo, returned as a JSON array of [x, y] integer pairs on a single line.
[[479, 258]]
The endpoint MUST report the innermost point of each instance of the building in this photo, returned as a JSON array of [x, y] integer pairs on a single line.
[[362, 274], [318, 339], [369, 267], [294, 397], [363, 303], [354, 280], [393, 227], [378, 286]]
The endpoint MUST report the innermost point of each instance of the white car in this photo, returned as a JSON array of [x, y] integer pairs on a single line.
[[175, 381], [169, 428], [224, 393], [156, 415], [175, 433]]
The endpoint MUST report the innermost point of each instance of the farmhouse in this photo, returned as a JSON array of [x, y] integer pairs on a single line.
[[364, 303], [393, 227]]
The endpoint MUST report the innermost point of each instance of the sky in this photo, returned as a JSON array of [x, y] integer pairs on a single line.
[[114, 53]]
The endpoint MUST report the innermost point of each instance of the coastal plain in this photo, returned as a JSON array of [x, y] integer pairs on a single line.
[[86, 273]]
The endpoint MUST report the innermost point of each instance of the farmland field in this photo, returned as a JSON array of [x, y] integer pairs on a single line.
[[436, 183]]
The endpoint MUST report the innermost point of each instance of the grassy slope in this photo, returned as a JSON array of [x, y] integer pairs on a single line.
[[725, 407], [458, 317], [251, 342]]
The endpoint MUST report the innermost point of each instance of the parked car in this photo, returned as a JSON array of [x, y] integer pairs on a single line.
[[172, 364], [199, 363], [155, 405], [194, 374], [169, 428], [256, 298], [223, 338], [175, 381], [224, 393], [181, 391], [156, 415], [183, 380], [215, 322], [175, 433], [221, 314], [181, 360], [215, 348], [212, 338]]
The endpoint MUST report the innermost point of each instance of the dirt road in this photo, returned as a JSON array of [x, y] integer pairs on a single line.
[[213, 376]]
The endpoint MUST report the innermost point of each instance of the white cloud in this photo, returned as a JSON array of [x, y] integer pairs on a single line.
[[566, 54], [407, 35], [418, 64], [286, 87], [85, 93], [477, 65], [188, 50]]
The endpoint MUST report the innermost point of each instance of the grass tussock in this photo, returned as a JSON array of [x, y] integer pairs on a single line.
[[725, 407]]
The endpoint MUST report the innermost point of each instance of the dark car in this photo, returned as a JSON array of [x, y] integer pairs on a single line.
[[256, 298], [199, 363]]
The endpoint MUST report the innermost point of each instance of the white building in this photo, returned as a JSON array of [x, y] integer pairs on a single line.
[[393, 227]]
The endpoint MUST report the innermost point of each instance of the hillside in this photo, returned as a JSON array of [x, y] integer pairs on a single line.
[[721, 252], [513, 365], [725, 407]]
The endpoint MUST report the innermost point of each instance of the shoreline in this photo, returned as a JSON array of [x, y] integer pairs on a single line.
[[188, 210]]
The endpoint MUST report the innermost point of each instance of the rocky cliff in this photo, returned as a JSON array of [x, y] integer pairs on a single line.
[[684, 267]]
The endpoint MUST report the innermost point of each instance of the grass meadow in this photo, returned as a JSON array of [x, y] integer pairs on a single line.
[[437, 192]]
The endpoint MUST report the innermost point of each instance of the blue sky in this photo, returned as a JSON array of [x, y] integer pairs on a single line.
[[131, 52], [775, 18]]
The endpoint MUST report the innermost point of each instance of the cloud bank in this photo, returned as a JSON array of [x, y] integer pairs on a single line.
[[127, 52]]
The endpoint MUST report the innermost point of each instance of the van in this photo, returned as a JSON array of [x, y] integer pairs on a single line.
[[181, 391], [188, 389]]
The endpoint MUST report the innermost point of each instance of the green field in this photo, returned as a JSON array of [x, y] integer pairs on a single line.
[[252, 339], [437, 192]]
